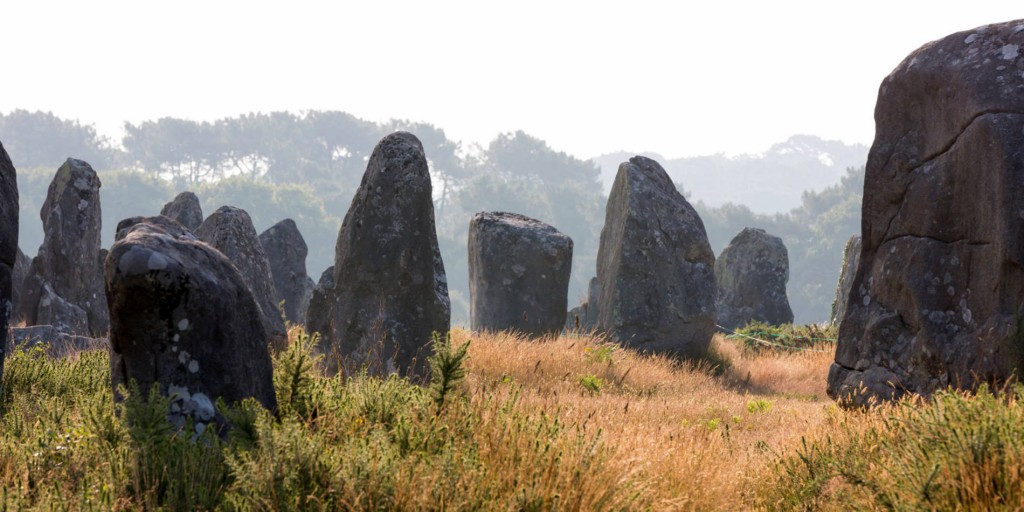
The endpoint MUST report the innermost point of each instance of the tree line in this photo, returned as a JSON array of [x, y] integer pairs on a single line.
[[307, 166]]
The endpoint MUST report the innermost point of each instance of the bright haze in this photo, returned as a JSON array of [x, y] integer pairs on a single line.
[[676, 78]]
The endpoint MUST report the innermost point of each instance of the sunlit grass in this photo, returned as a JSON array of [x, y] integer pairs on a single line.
[[566, 423]]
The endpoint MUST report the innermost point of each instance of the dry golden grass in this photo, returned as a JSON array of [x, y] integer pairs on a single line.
[[697, 437]]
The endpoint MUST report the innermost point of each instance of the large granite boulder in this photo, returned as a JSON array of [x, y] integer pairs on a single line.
[[230, 231], [583, 318], [851, 261], [390, 292], [8, 242], [68, 259], [655, 265], [185, 209], [936, 300], [518, 274], [286, 252], [752, 273], [183, 316]]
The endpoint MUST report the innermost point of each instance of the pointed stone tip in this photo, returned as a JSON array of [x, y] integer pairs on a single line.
[[648, 168], [643, 161], [74, 163], [403, 137]]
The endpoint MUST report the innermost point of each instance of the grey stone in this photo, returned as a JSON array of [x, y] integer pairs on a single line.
[[518, 274], [286, 252], [391, 293], [936, 300], [54, 311], [22, 264], [230, 231], [851, 260], [8, 242], [185, 209], [320, 300], [183, 316], [655, 265], [583, 318], [68, 258], [752, 273]]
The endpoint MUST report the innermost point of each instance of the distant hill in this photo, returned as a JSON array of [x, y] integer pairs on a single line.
[[768, 183]]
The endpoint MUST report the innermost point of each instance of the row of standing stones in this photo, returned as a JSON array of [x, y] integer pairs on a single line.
[[192, 303], [929, 297]]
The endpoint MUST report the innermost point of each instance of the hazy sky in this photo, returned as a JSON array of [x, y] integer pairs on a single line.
[[678, 78]]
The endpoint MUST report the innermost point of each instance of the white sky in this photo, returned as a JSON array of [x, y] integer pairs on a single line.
[[589, 77]]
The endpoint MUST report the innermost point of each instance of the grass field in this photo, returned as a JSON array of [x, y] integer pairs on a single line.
[[571, 423]]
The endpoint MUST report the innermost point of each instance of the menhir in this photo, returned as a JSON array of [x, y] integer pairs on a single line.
[[936, 300], [390, 292], [65, 280], [183, 319]]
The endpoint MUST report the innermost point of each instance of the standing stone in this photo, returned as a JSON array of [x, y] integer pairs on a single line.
[[655, 265], [68, 258], [230, 231], [752, 273], [391, 293], [584, 316], [54, 311], [936, 300], [183, 316], [518, 274], [185, 209], [851, 260], [22, 264], [8, 243], [318, 314], [286, 252]]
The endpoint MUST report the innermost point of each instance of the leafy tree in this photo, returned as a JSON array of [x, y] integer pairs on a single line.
[[185, 151], [245, 144], [129, 193], [815, 235], [521, 155], [41, 139]]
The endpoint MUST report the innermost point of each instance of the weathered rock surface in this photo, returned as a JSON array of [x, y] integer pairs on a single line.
[[391, 292], [68, 259], [8, 242], [584, 316], [185, 209], [286, 252], [851, 260], [55, 342], [54, 311], [518, 274], [183, 316], [230, 231], [318, 314], [752, 273], [936, 300], [22, 264], [655, 265]]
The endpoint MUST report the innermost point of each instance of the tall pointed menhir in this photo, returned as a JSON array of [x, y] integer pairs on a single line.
[[390, 292]]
